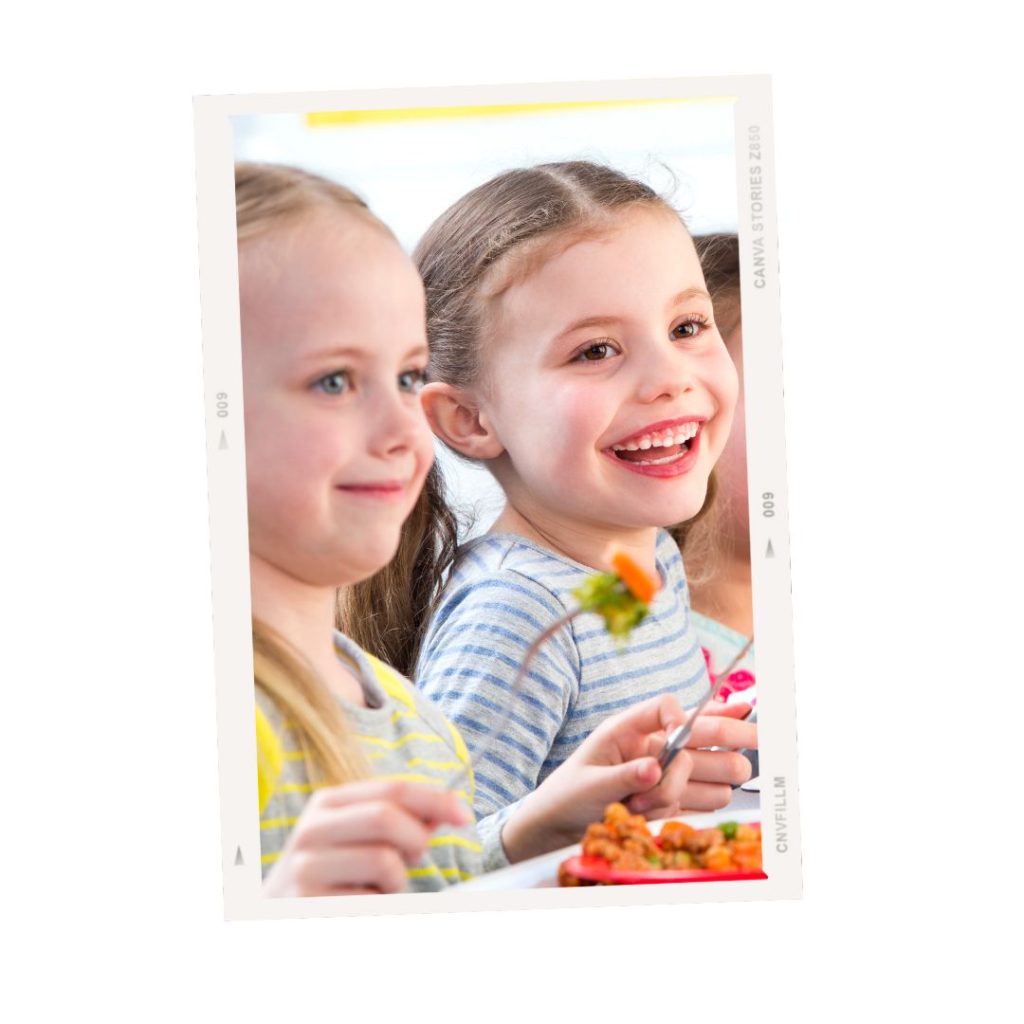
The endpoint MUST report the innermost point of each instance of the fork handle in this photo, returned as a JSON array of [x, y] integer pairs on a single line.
[[674, 743], [677, 738]]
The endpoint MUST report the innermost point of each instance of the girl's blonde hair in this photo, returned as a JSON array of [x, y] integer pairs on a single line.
[[332, 751], [491, 237], [269, 197]]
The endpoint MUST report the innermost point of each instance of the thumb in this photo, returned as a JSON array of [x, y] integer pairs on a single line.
[[636, 776], [646, 773]]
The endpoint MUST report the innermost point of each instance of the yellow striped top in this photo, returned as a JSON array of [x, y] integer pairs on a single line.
[[403, 735]]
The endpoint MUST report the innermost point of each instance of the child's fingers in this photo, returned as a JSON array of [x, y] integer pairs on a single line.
[[427, 803], [678, 774], [617, 781], [371, 867], [330, 871], [705, 796], [605, 784], [669, 713], [630, 730], [665, 797], [719, 766], [653, 744], [652, 812], [373, 821], [720, 731], [737, 710], [703, 783]]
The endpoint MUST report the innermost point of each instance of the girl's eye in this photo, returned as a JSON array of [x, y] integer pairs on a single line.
[[690, 327], [412, 381], [594, 353], [334, 383]]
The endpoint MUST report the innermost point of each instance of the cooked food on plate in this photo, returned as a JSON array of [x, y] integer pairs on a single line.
[[622, 845]]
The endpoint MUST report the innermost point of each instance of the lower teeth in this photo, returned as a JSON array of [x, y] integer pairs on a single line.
[[679, 453], [668, 458]]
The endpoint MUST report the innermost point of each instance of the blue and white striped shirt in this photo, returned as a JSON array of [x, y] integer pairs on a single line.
[[503, 592]]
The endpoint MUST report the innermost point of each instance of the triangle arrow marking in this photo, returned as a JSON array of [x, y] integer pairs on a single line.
[[238, 858], [770, 553], [223, 441]]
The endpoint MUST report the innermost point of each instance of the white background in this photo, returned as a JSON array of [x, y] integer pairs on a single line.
[[899, 162]]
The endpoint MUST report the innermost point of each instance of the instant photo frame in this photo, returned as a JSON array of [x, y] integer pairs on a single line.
[[393, 124]]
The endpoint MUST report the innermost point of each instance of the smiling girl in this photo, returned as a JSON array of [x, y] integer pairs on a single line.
[[363, 784], [574, 353]]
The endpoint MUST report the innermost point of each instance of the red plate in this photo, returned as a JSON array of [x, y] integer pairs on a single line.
[[596, 869]]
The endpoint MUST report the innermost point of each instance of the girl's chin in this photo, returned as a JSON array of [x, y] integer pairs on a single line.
[[359, 566], [673, 513]]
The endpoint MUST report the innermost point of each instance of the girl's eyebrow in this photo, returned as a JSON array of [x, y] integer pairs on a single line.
[[602, 319], [416, 351], [689, 293], [587, 321], [333, 353]]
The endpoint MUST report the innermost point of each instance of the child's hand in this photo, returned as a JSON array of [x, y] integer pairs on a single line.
[[618, 759], [360, 838], [714, 772]]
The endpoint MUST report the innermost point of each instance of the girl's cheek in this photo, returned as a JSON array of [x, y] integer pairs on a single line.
[[580, 410], [425, 461], [724, 379], [428, 455], [322, 451]]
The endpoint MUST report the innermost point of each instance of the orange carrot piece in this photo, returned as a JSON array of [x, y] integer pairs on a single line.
[[637, 580]]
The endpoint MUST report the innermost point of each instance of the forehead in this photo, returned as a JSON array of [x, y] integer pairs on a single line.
[[646, 257], [329, 278]]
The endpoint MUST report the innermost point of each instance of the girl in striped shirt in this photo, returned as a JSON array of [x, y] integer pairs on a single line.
[[573, 351], [364, 786]]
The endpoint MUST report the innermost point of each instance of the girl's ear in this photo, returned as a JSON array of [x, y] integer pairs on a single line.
[[455, 418]]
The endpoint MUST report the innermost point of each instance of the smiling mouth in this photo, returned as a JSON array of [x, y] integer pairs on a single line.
[[658, 448], [388, 490]]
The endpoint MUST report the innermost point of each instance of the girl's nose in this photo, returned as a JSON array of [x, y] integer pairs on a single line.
[[664, 372], [397, 422]]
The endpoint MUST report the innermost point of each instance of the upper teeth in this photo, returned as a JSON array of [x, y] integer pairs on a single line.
[[659, 439]]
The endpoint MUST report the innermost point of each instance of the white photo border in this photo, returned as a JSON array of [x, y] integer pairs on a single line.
[[769, 534]]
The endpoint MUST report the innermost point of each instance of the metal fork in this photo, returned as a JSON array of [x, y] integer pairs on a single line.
[[676, 739]]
